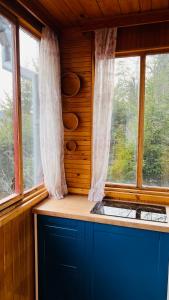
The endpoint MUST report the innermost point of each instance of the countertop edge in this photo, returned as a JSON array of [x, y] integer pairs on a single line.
[[104, 220]]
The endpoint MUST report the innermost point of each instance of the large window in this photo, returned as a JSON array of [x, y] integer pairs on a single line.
[[139, 153], [20, 162]]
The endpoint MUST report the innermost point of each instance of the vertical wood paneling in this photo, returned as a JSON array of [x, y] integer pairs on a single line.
[[76, 56], [17, 258]]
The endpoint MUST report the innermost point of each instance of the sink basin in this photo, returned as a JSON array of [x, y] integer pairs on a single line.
[[130, 210]]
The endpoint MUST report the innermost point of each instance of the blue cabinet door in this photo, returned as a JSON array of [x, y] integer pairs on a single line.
[[62, 259], [129, 264], [88, 261]]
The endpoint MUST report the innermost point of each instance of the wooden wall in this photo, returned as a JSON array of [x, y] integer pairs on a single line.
[[17, 258], [77, 56]]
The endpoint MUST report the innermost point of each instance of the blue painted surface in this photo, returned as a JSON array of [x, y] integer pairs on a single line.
[[88, 261]]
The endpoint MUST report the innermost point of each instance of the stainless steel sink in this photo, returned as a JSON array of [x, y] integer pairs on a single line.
[[130, 210]]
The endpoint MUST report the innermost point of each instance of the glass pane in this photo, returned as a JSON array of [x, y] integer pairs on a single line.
[[156, 122], [7, 181], [123, 150], [29, 55]]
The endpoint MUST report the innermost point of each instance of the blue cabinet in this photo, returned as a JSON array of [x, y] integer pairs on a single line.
[[129, 264], [89, 261], [63, 254]]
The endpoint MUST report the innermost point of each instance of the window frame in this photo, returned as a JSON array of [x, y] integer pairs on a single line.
[[19, 193], [130, 191]]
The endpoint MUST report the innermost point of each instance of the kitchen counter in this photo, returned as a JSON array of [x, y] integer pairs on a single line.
[[78, 207]]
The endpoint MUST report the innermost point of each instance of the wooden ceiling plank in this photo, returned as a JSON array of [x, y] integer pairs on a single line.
[[147, 17], [60, 11], [159, 4], [145, 5], [91, 8], [129, 6], [37, 11], [76, 9], [109, 7]]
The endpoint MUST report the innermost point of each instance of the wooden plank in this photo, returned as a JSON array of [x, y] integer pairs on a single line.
[[2, 277], [59, 11], [22, 208], [8, 275], [81, 142], [129, 6], [76, 170], [91, 8], [75, 8], [79, 185], [77, 167], [145, 5], [76, 134], [78, 191], [66, 108], [40, 13], [77, 175], [109, 7], [77, 157], [156, 4], [77, 180], [77, 162], [17, 116], [74, 106], [141, 123], [125, 20]]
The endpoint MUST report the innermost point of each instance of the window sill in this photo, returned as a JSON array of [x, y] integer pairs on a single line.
[[22, 206], [135, 194], [15, 200]]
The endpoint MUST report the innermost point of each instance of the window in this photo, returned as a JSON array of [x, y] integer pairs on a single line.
[[7, 173], [139, 152], [32, 172], [156, 122], [123, 155], [19, 120]]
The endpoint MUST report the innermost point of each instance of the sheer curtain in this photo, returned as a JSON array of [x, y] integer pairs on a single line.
[[105, 44], [51, 124]]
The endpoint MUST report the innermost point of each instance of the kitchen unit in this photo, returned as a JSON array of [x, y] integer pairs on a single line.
[[87, 256]]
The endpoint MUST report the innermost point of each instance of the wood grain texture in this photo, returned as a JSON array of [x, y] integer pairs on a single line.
[[17, 258], [76, 56], [67, 13], [17, 274], [143, 37], [129, 6]]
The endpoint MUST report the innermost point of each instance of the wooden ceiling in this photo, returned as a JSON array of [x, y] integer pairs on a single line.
[[74, 12]]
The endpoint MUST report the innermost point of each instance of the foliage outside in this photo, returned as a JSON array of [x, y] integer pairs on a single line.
[[123, 152]]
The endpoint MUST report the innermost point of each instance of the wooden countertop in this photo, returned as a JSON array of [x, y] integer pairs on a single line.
[[78, 207]]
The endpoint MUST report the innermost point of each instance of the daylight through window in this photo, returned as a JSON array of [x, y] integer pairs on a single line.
[[16, 177], [140, 117]]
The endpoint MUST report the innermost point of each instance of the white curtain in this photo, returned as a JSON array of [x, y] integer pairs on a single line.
[[51, 124], [105, 44]]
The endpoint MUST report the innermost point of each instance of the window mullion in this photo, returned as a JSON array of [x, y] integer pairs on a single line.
[[141, 122], [17, 116]]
